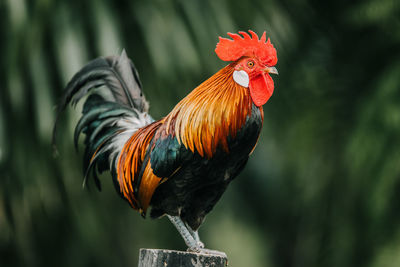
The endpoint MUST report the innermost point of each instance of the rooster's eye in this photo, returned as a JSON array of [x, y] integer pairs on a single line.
[[250, 64]]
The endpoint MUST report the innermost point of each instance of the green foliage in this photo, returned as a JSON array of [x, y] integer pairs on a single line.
[[322, 188]]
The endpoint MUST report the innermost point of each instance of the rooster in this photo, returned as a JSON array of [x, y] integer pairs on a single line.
[[181, 164]]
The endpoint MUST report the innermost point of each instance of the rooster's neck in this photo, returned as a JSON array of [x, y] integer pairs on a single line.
[[214, 110]]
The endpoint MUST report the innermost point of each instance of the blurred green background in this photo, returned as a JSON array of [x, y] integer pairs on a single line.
[[321, 189]]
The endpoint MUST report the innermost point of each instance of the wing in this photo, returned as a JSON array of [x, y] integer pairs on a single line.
[[168, 155], [149, 158]]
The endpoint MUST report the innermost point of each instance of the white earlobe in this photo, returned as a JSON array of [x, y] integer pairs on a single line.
[[241, 77]]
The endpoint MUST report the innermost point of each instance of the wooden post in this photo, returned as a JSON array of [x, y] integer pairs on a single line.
[[165, 258]]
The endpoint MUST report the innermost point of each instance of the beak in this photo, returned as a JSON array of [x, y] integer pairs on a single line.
[[271, 70]]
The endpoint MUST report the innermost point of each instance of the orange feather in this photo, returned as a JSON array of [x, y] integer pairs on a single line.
[[213, 111], [131, 160]]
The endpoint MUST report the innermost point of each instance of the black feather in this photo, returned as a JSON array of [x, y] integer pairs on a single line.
[[116, 73], [118, 97]]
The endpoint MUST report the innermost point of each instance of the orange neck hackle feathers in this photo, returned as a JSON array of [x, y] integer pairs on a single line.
[[216, 109]]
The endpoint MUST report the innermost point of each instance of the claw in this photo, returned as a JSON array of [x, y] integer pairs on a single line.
[[194, 249], [207, 251], [200, 244]]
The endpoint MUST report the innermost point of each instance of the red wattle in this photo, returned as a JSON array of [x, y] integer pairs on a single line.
[[261, 89]]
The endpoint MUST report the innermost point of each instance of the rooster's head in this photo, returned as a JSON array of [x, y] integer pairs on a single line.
[[254, 59]]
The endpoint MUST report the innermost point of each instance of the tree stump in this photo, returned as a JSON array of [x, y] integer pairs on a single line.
[[164, 258]]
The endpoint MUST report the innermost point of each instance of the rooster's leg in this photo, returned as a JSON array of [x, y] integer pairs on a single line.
[[186, 235], [195, 235]]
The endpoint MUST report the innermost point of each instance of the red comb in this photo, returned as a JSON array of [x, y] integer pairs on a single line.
[[232, 50]]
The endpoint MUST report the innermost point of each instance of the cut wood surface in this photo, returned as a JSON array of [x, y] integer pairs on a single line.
[[164, 258]]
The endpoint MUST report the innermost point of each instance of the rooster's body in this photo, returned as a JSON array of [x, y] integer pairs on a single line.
[[182, 164]]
